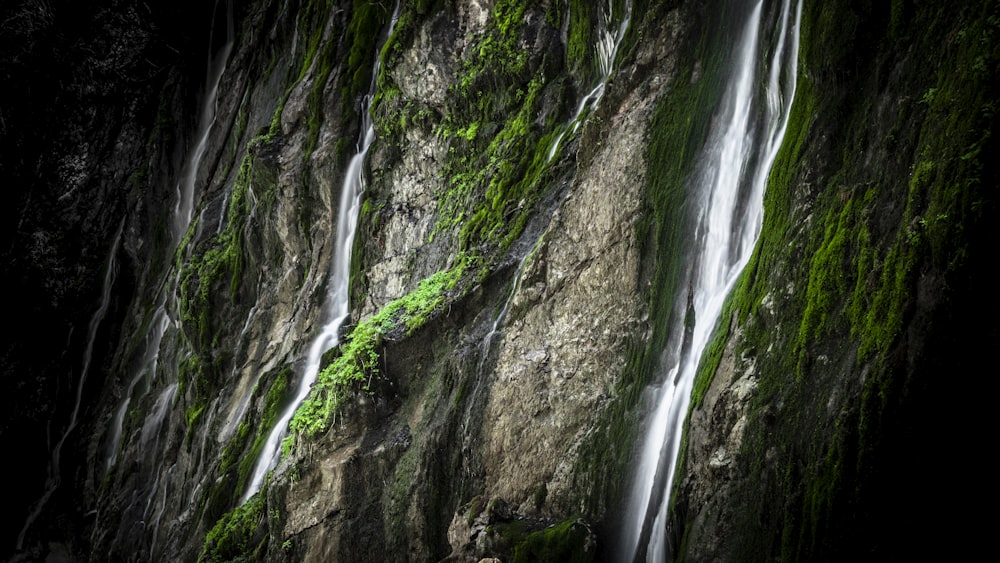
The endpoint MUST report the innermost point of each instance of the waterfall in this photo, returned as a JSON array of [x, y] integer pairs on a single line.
[[607, 49], [728, 187], [338, 298], [184, 206], [54, 477], [180, 221]]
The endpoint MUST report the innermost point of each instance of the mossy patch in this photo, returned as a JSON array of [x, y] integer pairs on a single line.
[[240, 535], [358, 363]]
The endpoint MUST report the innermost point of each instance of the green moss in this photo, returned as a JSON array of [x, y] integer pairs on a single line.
[[712, 356], [566, 541], [892, 198], [829, 270], [359, 362], [238, 457], [522, 541], [583, 21], [400, 488], [367, 18], [240, 535], [312, 22], [498, 136], [276, 398]]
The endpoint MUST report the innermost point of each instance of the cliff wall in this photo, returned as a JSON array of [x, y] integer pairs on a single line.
[[517, 266]]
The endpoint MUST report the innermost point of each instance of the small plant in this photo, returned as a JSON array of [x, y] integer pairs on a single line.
[[928, 97]]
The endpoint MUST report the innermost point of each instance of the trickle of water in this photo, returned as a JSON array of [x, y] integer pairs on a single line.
[[730, 185], [184, 206], [485, 348], [54, 478], [338, 298], [244, 389], [180, 221], [607, 49]]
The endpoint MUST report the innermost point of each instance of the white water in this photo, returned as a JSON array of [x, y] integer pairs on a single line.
[[237, 410], [735, 159], [184, 206], [488, 340], [485, 347], [607, 49], [54, 477], [180, 221], [150, 360], [338, 298], [150, 442]]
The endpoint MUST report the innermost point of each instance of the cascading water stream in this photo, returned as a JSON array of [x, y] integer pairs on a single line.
[[730, 181], [485, 347], [54, 478], [184, 207], [338, 298], [180, 221], [607, 49]]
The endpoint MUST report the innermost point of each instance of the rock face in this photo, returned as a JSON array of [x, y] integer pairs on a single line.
[[512, 278], [814, 439]]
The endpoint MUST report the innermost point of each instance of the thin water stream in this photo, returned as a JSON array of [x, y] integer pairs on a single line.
[[180, 221], [338, 298], [608, 42], [727, 191], [54, 478]]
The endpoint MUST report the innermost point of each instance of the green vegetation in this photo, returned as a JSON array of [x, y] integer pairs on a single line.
[[234, 530], [359, 362], [498, 137], [583, 20], [896, 200], [566, 541], [712, 356], [245, 459], [367, 19], [215, 261], [240, 535]]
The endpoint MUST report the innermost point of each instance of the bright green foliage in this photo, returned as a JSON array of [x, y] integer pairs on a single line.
[[359, 360], [826, 273], [499, 214], [498, 141], [498, 52], [237, 536]]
